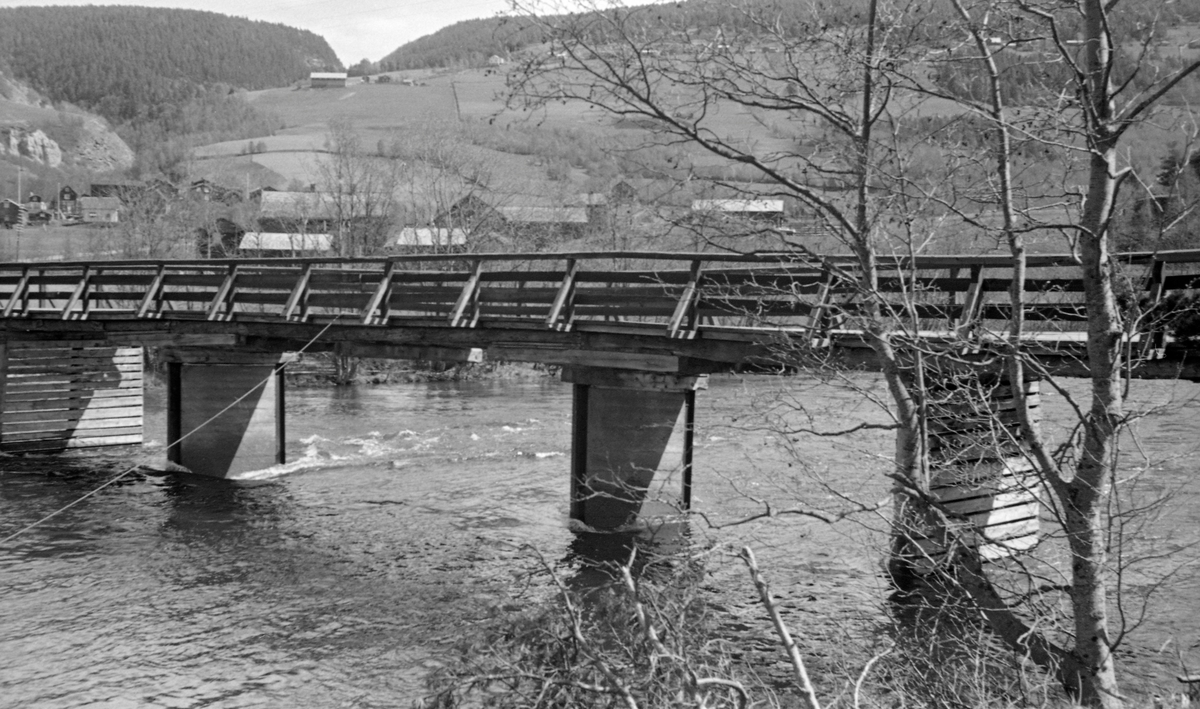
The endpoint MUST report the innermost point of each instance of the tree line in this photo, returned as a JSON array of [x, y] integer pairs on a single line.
[[127, 63], [471, 42]]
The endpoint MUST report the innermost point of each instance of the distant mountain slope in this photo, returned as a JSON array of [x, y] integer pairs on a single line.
[[124, 61], [463, 44], [470, 43]]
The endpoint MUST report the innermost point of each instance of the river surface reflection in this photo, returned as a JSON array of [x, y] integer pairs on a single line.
[[404, 518]]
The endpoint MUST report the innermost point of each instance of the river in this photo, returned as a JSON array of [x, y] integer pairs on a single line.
[[405, 518]]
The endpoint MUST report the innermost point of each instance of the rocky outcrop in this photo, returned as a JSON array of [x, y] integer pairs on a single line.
[[35, 129], [20, 141], [99, 149]]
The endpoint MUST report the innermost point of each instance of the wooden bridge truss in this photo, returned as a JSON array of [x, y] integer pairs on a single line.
[[684, 304]]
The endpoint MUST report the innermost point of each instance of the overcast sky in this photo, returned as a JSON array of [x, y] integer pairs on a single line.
[[356, 29]]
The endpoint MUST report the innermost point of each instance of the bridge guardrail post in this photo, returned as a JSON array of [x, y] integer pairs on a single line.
[[562, 311], [466, 309], [685, 310]]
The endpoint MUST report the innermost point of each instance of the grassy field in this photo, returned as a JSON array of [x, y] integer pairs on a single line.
[[550, 152], [55, 243]]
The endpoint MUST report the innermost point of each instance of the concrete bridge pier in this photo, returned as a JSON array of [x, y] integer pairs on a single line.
[[631, 437], [244, 435]]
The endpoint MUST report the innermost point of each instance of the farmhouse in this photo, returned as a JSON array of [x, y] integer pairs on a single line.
[[760, 209], [210, 191], [437, 239], [257, 243], [117, 188], [11, 214], [103, 210], [327, 80], [68, 202], [301, 212], [520, 216]]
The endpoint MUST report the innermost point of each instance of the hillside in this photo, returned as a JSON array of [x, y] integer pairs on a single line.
[[470, 43], [50, 139], [126, 62]]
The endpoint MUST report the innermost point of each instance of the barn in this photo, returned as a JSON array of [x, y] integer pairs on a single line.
[[327, 80]]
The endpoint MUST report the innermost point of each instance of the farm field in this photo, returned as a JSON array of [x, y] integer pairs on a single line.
[[55, 243]]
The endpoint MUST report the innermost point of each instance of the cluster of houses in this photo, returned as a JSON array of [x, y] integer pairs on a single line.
[[311, 223], [104, 203], [314, 223]]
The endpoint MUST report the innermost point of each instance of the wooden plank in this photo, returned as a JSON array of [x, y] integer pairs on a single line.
[[72, 443], [220, 309], [83, 412], [371, 314], [985, 505], [54, 381], [48, 342], [466, 310], [589, 358], [971, 303], [1010, 530], [68, 352], [456, 277], [820, 319], [642, 277], [81, 399], [20, 372], [78, 293], [233, 357], [341, 301], [663, 310], [251, 297], [136, 282], [682, 324], [546, 276], [153, 297], [296, 307], [417, 352], [194, 280], [26, 362], [1155, 285], [562, 308], [94, 390], [63, 435], [74, 424], [19, 294], [540, 296]]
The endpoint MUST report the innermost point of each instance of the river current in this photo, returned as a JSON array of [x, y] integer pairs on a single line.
[[408, 515]]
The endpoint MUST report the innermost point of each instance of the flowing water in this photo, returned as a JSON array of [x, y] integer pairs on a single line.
[[407, 517]]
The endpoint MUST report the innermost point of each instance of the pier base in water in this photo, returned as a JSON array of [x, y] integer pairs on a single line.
[[631, 433], [243, 435]]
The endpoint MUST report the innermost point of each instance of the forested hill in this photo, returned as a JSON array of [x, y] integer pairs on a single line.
[[470, 43], [463, 44], [124, 61]]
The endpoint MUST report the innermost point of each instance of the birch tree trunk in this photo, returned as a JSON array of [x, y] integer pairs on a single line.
[[1088, 489]]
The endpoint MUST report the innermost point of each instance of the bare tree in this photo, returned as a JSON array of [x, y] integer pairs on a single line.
[[853, 85], [360, 187]]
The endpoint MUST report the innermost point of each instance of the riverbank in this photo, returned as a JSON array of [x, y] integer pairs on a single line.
[[320, 370]]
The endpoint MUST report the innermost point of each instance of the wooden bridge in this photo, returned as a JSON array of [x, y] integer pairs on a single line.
[[634, 331], [660, 312]]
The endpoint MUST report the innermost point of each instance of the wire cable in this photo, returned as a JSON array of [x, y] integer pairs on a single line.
[[181, 439]]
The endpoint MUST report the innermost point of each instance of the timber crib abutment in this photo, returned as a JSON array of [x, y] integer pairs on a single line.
[[980, 471], [631, 435], [57, 394]]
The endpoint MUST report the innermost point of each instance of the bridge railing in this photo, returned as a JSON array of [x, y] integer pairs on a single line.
[[679, 295]]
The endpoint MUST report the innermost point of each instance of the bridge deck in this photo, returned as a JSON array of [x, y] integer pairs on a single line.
[[661, 312]]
